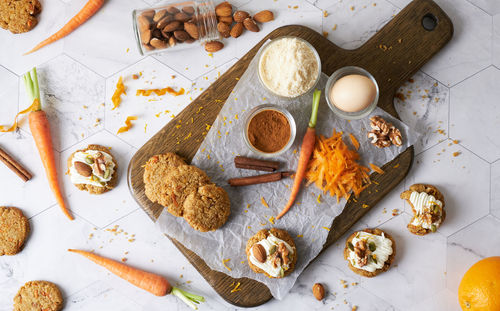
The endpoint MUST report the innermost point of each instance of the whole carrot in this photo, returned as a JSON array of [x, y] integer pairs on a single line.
[[306, 151], [148, 281], [81, 17], [40, 129]]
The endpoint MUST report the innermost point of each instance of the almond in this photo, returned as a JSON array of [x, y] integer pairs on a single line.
[[318, 291], [159, 15], [239, 16], [148, 14], [264, 16], [171, 26], [181, 17], [259, 253], [224, 9], [237, 30], [164, 21], [181, 35], [250, 25], [213, 46], [188, 10], [143, 22], [224, 29], [226, 19], [173, 10], [83, 169], [172, 42], [146, 36], [192, 30], [158, 44]]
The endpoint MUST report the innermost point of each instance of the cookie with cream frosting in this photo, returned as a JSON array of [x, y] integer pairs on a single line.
[[427, 204]]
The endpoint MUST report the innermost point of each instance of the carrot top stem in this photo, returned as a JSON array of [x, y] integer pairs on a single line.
[[32, 88], [187, 298], [315, 105]]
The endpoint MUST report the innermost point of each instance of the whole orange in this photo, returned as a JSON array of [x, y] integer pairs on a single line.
[[479, 289]]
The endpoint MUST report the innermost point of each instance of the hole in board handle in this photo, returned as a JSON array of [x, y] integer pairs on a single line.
[[429, 22]]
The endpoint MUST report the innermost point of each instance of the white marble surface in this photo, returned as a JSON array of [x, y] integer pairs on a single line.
[[453, 97]]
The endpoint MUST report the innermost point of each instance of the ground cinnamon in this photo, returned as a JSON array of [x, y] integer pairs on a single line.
[[269, 131]]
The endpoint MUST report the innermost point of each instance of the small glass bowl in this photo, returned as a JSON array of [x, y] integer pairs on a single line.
[[318, 60], [254, 112], [344, 71]]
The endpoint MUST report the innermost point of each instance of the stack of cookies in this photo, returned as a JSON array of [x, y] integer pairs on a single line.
[[186, 191]]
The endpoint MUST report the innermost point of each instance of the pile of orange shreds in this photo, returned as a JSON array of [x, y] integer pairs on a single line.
[[334, 168]]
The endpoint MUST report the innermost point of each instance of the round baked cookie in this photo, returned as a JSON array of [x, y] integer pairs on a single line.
[[155, 172], [208, 208], [14, 230], [19, 16], [180, 182], [93, 189], [431, 190], [387, 263], [264, 234], [38, 296]]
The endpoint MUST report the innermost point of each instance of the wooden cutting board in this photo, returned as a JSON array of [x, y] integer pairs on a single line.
[[393, 55]]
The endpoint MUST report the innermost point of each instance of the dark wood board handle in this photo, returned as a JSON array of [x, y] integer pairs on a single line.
[[392, 61]]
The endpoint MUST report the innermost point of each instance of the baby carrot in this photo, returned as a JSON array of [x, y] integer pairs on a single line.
[[306, 151], [40, 129], [81, 17], [153, 283]]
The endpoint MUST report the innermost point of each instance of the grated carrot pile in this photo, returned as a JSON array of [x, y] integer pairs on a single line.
[[334, 168], [116, 98], [160, 92]]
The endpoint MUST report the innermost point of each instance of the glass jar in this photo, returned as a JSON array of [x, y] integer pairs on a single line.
[[175, 26]]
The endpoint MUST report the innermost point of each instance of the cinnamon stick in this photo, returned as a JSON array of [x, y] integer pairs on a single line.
[[255, 164], [14, 166], [258, 179]]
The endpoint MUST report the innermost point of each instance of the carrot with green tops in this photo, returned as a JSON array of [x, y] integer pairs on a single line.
[[81, 17], [40, 129], [306, 151], [153, 283]]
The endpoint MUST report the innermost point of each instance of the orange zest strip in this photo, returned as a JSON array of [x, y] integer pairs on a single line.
[[160, 92], [376, 168], [31, 108], [116, 98], [334, 168], [128, 125], [354, 141]]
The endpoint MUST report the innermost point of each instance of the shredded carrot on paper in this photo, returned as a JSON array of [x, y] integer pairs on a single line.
[[128, 125], [354, 141], [334, 168], [160, 92], [120, 89], [31, 108], [376, 168]]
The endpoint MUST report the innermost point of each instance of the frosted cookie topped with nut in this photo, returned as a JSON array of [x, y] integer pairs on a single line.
[[369, 252], [427, 204], [272, 252], [93, 169]]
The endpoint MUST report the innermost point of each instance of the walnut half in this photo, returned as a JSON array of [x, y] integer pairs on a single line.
[[384, 133]]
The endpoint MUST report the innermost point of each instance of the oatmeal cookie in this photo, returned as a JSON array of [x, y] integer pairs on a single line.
[[14, 230], [92, 186], [270, 255], [208, 208], [19, 16], [38, 296], [349, 247], [433, 217], [155, 172]]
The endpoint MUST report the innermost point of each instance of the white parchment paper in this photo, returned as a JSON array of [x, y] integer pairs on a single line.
[[307, 219]]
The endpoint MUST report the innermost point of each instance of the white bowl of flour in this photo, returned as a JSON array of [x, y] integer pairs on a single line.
[[289, 67]]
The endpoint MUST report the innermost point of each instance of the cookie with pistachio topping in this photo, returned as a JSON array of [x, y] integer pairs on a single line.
[[427, 204], [93, 169], [272, 252], [369, 252]]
